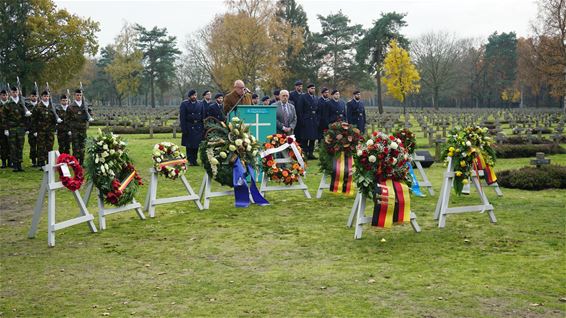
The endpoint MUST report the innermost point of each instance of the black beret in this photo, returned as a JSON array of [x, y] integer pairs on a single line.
[[78, 91], [218, 95], [323, 90], [254, 96], [44, 93], [34, 92], [205, 92], [191, 93], [14, 88], [264, 98], [334, 91], [3, 91], [63, 96], [276, 92], [310, 85], [355, 92], [298, 82]]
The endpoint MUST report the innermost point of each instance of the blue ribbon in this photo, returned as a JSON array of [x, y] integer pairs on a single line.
[[415, 188], [241, 190]]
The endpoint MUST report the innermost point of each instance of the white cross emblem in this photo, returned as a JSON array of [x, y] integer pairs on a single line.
[[257, 124]]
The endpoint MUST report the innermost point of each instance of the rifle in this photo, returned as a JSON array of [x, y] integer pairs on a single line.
[[22, 99], [85, 107], [59, 120]]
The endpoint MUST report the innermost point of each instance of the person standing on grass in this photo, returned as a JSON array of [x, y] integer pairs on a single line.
[[4, 144], [191, 116], [43, 123], [64, 128]]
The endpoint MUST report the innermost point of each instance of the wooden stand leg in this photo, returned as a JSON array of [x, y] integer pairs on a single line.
[[51, 218], [360, 218], [354, 210], [38, 206]]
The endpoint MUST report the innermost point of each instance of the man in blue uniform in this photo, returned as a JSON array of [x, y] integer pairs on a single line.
[[215, 109], [357, 112], [335, 110], [294, 99], [265, 100], [206, 98], [322, 108], [308, 118], [191, 115]]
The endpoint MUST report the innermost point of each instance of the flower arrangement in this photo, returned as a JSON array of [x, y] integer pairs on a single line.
[[380, 158], [72, 183], [339, 137], [288, 173], [464, 146], [408, 139], [223, 144], [168, 160], [109, 167]]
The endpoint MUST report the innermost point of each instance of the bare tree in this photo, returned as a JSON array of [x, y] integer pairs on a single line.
[[436, 55]]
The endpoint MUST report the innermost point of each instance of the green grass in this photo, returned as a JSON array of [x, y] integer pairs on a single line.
[[295, 258]]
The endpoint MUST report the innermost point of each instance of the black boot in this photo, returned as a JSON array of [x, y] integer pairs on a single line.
[[4, 164], [40, 164], [34, 163], [18, 167]]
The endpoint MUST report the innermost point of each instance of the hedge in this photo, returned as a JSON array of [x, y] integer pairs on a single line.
[[523, 151], [141, 130], [532, 178]]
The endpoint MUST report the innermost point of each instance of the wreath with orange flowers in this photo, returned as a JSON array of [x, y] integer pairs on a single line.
[[287, 173]]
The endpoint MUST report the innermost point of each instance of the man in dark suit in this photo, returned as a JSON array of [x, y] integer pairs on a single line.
[[308, 119], [286, 116], [323, 108], [215, 109], [356, 112], [335, 110], [191, 115]]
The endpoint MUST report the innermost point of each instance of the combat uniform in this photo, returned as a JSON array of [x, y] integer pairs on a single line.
[[43, 121], [64, 133], [78, 122], [16, 125]]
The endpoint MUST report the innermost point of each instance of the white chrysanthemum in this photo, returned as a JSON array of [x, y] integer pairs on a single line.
[[232, 148], [247, 140], [112, 151], [372, 158], [359, 152], [468, 143], [223, 155], [239, 142], [369, 142], [235, 119], [254, 153], [214, 161], [105, 154], [96, 159], [156, 147], [249, 148], [394, 160], [105, 147], [102, 169], [157, 159], [394, 145]]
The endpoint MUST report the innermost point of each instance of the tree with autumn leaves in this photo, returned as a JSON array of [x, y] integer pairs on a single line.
[[401, 76]]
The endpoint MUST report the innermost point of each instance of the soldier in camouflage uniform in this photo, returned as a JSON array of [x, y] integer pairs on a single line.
[[4, 144], [32, 140], [43, 123], [16, 124], [78, 121], [64, 133]]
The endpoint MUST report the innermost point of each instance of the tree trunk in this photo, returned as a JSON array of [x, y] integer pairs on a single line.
[[152, 92], [379, 100], [435, 98]]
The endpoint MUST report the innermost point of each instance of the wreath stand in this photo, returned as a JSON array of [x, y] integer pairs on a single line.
[[358, 214], [103, 211], [442, 209], [264, 179], [151, 200], [205, 193], [49, 186], [495, 186], [323, 185], [425, 183]]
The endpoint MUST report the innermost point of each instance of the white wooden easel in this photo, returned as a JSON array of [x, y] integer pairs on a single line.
[[357, 214], [495, 186], [425, 183], [103, 211], [323, 185], [49, 186], [151, 200], [442, 209], [264, 179], [205, 193]]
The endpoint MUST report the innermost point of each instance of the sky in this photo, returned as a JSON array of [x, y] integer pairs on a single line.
[[470, 18]]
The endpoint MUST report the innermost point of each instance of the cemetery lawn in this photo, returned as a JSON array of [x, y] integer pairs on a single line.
[[295, 258]]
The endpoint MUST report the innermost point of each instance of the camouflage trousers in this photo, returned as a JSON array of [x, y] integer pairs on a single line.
[[32, 141], [4, 146], [16, 139], [78, 138], [64, 141], [45, 141]]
